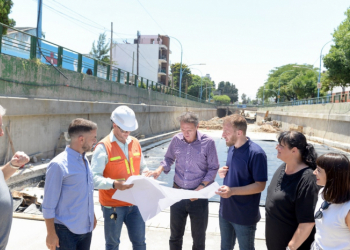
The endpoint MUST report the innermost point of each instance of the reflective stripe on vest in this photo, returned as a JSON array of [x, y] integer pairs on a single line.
[[132, 165], [115, 158], [127, 166], [137, 154]]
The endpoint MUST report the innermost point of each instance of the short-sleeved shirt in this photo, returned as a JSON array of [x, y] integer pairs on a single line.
[[291, 200], [5, 212], [247, 164]]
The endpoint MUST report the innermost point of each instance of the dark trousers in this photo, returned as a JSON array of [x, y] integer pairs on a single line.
[[72, 241], [198, 212]]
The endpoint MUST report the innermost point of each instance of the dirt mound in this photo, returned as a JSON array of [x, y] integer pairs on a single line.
[[214, 123], [268, 127]]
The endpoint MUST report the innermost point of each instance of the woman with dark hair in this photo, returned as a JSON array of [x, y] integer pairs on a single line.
[[332, 213], [292, 195]]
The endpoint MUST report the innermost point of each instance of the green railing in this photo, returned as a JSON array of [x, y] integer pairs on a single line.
[[32, 47], [310, 101]]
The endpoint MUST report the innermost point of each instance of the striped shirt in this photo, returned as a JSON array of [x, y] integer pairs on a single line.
[[195, 162]]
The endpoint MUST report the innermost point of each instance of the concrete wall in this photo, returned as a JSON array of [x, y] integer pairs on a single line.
[[36, 124], [328, 121], [26, 78]]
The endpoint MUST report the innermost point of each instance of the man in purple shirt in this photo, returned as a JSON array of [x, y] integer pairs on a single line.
[[196, 165]]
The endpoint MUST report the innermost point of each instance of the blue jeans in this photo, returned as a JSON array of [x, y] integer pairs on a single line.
[[134, 223], [230, 231], [198, 212], [72, 241]]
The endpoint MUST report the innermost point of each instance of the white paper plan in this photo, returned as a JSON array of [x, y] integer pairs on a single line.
[[151, 197]]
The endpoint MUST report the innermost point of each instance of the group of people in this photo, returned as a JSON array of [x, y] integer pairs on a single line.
[[294, 203]]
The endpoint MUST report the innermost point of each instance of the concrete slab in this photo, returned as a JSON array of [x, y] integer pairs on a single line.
[[32, 234]]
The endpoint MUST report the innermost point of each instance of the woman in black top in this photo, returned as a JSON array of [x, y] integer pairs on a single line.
[[292, 195]]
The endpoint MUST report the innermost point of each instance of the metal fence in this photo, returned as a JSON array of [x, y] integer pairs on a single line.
[[27, 46]]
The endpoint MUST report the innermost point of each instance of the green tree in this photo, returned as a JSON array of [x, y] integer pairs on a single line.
[[186, 75], [196, 84], [223, 99], [101, 50], [328, 84], [294, 82], [229, 89], [244, 98], [337, 61], [5, 10]]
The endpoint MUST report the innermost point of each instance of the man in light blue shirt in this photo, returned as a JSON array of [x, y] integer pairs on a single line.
[[68, 206]]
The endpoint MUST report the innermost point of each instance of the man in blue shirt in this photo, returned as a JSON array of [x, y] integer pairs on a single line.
[[68, 206], [245, 176]]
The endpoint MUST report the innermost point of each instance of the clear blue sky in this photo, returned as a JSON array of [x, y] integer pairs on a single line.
[[240, 41]]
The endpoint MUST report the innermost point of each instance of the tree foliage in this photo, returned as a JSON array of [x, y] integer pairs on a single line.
[[229, 89], [101, 50], [195, 88], [5, 10], [244, 98], [294, 82], [186, 75], [223, 99], [337, 61]]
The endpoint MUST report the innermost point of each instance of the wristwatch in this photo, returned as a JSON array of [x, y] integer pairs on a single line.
[[202, 184], [13, 166]]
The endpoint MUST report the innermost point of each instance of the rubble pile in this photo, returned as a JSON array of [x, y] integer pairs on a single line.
[[268, 127], [214, 123]]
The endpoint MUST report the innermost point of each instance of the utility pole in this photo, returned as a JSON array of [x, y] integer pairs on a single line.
[[138, 45], [132, 71], [39, 25], [110, 51]]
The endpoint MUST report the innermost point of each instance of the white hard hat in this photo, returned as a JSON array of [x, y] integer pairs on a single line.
[[124, 117]]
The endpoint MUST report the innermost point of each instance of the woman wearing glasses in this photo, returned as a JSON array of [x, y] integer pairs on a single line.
[[292, 195], [332, 213]]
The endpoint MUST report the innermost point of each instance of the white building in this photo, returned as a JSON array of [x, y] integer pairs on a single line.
[[153, 58]]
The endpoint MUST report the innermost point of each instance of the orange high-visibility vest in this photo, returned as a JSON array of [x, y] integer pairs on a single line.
[[119, 168]]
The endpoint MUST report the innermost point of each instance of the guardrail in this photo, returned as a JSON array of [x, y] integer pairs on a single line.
[[320, 100], [28, 48]]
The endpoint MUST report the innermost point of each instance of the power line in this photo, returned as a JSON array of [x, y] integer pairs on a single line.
[[151, 16], [75, 20]]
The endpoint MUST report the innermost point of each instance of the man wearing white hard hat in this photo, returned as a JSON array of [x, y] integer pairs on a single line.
[[117, 157]]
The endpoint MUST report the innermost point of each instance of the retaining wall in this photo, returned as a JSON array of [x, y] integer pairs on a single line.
[[36, 124], [28, 78], [329, 121]]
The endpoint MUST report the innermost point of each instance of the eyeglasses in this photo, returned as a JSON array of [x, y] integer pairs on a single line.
[[279, 146], [123, 131], [324, 206]]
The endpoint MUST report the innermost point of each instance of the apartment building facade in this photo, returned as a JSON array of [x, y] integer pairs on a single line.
[[153, 57]]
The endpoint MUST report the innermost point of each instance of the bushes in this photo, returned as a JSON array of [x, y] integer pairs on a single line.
[[223, 99]]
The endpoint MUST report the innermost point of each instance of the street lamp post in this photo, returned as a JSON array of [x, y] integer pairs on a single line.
[[279, 85], [209, 91], [199, 71], [201, 82], [319, 75], [180, 66]]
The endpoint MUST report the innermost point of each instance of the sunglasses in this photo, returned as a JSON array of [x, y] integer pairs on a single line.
[[324, 206], [123, 131]]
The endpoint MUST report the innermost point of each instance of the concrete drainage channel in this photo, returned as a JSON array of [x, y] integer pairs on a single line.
[[27, 185]]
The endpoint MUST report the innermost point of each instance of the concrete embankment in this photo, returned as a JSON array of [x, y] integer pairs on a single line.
[[324, 123], [36, 124], [28, 78]]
